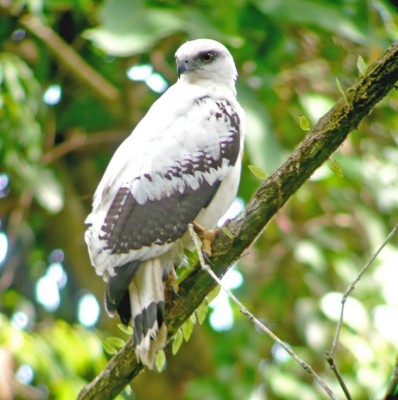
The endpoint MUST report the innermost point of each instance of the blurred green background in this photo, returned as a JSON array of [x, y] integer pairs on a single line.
[[61, 121]]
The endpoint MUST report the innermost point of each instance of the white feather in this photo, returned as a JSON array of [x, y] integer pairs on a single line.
[[147, 287]]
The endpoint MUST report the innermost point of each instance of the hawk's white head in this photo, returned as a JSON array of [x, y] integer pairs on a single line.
[[205, 59]]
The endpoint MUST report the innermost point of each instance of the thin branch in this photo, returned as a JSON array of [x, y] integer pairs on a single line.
[[318, 145], [329, 356], [256, 322], [78, 139], [333, 367], [351, 287]]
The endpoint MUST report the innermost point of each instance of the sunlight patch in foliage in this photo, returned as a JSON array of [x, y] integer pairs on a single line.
[[221, 317], [144, 73]]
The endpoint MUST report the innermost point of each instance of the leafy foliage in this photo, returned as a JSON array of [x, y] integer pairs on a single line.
[[289, 54]]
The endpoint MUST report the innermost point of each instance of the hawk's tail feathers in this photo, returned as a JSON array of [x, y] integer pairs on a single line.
[[116, 295], [147, 306]]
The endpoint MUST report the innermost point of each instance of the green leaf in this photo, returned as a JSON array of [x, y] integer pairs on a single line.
[[190, 260], [128, 330], [202, 311], [304, 123], [258, 172], [334, 165], [361, 65], [187, 328], [327, 15], [227, 232], [177, 342], [341, 90], [109, 348], [129, 390], [160, 360], [129, 27], [213, 294], [183, 272], [115, 342], [192, 257]]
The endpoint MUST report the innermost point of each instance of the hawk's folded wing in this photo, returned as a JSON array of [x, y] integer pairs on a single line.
[[148, 196]]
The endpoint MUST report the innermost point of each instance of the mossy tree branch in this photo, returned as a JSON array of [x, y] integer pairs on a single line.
[[318, 145]]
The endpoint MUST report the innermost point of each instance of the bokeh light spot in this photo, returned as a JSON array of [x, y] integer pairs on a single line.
[[53, 95], [144, 73], [57, 256], [18, 35], [25, 374], [47, 293], [157, 83], [4, 185], [139, 72], [19, 320], [221, 317], [57, 273], [88, 310], [3, 247]]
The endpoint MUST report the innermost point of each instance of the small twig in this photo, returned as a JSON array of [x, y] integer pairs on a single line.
[[329, 356], [351, 287], [64, 148], [78, 139], [333, 367], [256, 322]]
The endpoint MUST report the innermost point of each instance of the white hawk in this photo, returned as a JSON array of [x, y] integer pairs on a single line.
[[181, 164]]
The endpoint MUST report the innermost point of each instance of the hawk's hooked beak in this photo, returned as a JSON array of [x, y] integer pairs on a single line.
[[184, 66]]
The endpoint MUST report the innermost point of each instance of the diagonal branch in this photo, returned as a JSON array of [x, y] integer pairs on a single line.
[[65, 54], [71, 60], [323, 139]]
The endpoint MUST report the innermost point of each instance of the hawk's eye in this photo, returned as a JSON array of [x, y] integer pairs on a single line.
[[207, 57]]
